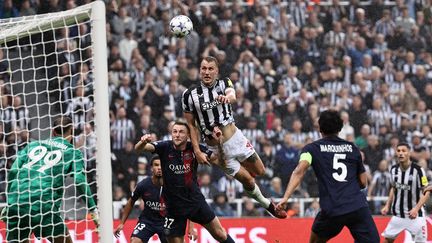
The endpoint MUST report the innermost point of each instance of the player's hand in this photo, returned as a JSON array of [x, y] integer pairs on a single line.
[[192, 234], [146, 138], [282, 204], [118, 230], [223, 99], [384, 210], [202, 158], [413, 213], [94, 215]]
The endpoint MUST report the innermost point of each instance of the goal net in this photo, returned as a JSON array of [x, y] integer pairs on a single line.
[[54, 65]]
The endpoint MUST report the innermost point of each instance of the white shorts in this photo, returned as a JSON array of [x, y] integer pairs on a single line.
[[416, 227], [237, 149]]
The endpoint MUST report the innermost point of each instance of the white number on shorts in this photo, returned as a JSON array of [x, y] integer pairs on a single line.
[[168, 223], [140, 226], [337, 164], [49, 158]]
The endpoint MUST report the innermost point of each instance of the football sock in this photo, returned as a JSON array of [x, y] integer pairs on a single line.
[[257, 195]]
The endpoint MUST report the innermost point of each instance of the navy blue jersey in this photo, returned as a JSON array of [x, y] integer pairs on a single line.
[[337, 164], [151, 194], [179, 170]]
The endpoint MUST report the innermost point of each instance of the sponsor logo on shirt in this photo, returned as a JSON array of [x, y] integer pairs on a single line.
[[401, 186], [209, 105], [180, 169], [158, 206]]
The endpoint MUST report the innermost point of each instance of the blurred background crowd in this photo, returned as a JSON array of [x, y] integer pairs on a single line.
[[289, 60]]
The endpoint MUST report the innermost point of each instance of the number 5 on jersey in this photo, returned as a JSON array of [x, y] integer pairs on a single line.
[[338, 164], [49, 158]]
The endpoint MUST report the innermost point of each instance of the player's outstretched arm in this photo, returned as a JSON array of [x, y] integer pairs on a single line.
[[144, 144], [126, 212], [295, 180], [202, 158], [386, 207]]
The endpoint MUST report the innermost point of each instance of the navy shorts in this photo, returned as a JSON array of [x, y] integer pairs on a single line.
[[145, 229], [175, 223], [359, 222]]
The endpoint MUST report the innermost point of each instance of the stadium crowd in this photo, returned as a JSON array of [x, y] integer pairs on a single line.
[[289, 60]]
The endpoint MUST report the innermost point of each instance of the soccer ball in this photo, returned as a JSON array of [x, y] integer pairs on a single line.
[[181, 26]]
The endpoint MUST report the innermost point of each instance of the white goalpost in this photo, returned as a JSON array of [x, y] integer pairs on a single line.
[[54, 65]]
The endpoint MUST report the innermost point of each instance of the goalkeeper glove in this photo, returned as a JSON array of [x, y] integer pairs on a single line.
[[94, 215]]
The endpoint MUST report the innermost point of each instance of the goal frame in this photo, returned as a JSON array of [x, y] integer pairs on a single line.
[[101, 107], [102, 126]]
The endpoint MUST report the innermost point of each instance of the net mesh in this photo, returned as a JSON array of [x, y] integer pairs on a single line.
[[45, 72]]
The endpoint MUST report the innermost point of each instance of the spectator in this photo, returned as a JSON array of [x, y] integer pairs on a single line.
[[298, 11], [373, 152], [293, 210], [286, 159], [313, 209], [230, 187], [221, 206], [347, 128], [121, 22], [126, 46], [26, 8], [208, 189], [122, 130], [361, 140], [405, 21], [249, 209], [8, 10], [419, 150], [380, 185], [276, 189]]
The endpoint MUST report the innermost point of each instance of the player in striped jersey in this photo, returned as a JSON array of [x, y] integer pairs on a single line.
[[406, 199], [207, 109]]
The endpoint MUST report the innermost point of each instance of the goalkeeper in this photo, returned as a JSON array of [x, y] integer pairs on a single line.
[[36, 183]]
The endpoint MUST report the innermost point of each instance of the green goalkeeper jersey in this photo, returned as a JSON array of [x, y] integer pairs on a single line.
[[37, 176]]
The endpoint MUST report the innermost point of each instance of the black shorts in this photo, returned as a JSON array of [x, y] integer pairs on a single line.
[[145, 229], [175, 222], [360, 223]]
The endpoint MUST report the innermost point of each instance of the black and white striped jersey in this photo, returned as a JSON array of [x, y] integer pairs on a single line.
[[408, 187], [209, 112], [122, 130], [382, 181], [80, 110]]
